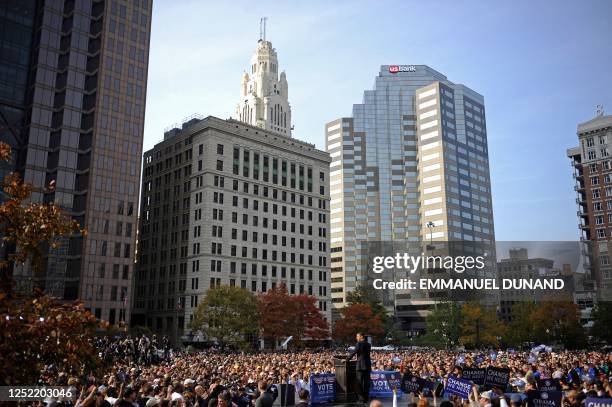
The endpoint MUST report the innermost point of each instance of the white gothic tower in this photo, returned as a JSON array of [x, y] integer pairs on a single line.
[[264, 93]]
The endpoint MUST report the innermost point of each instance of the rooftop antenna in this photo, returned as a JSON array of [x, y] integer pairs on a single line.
[[600, 110], [262, 28]]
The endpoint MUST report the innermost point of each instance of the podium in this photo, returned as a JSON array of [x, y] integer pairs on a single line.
[[347, 389]]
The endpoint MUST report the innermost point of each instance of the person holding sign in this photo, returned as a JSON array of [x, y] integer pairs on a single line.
[[364, 366]]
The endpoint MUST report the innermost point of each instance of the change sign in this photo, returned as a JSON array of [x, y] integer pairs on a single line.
[[594, 402], [383, 383], [322, 388], [497, 377], [458, 387], [544, 398], [549, 385], [474, 374]]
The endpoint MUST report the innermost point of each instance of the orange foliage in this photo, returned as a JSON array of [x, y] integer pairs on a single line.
[[357, 318]]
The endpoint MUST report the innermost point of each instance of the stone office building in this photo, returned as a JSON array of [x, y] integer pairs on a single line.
[[226, 202]]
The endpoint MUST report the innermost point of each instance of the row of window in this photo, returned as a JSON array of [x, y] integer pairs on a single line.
[[100, 248], [590, 141], [293, 175]]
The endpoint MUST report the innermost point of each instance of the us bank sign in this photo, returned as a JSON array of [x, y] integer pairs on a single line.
[[402, 68]]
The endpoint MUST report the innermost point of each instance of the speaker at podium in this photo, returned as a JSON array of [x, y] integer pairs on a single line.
[[347, 389]]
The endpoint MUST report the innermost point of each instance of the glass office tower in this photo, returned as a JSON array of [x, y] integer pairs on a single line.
[[410, 165], [72, 97]]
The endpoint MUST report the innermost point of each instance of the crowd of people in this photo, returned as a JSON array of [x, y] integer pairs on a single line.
[[140, 350], [144, 372]]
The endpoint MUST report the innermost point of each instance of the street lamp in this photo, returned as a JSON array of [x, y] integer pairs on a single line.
[[430, 225]]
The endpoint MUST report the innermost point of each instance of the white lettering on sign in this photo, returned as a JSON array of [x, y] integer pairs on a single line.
[[325, 387], [402, 68]]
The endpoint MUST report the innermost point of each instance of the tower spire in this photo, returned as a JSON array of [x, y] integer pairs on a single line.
[[264, 92], [262, 28]]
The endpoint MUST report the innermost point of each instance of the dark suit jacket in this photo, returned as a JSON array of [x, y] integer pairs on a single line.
[[264, 400], [362, 350]]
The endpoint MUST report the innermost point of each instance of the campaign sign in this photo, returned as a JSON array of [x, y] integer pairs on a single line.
[[411, 384], [474, 374], [595, 402], [497, 377], [416, 385], [544, 398], [549, 385], [458, 387], [383, 383], [322, 388]]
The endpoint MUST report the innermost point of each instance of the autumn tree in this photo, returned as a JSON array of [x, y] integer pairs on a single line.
[[356, 318], [310, 321], [229, 315], [28, 228], [278, 314], [559, 322], [367, 294], [35, 330], [284, 315], [480, 326]]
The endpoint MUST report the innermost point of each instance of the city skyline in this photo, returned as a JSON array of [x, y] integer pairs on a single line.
[[211, 62]]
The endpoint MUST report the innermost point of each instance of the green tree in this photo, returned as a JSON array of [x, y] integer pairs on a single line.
[[520, 328], [602, 321], [444, 325], [480, 326], [228, 315]]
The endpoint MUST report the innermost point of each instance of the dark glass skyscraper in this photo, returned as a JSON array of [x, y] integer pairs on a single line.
[[72, 96]]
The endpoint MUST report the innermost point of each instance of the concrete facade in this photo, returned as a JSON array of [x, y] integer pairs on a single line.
[[226, 203]]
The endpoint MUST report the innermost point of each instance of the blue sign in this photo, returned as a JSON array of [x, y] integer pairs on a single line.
[[493, 355], [479, 359], [549, 385], [595, 402], [383, 383], [458, 387], [497, 377], [474, 374], [544, 398], [322, 388], [416, 385]]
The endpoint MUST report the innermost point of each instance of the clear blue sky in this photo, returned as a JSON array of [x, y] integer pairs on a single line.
[[542, 67]]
